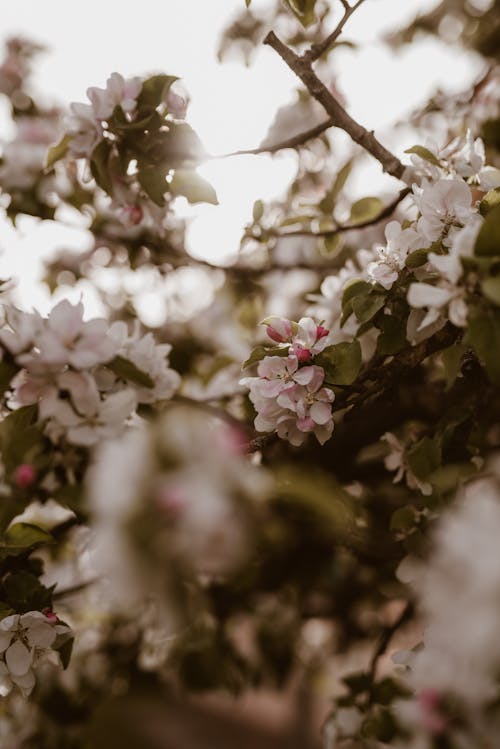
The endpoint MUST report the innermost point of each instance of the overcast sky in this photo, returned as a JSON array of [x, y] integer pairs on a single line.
[[231, 105]]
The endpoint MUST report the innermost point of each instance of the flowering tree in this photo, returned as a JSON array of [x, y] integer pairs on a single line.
[[171, 524]]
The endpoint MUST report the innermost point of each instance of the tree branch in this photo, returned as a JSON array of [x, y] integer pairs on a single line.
[[384, 213], [366, 139], [293, 142], [317, 50]]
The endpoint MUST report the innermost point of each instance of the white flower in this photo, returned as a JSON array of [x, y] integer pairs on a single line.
[[66, 338], [444, 205], [437, 299], [84, 129], [85, 418], [119, 92], [150, 357], [395, 460], [24, 330], [24, 640]]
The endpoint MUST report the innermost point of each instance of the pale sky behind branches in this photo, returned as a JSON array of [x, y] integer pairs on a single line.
[[231, 106]]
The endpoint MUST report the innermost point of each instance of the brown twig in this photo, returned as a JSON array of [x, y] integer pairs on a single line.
[[383, 643], [366, 139], [384, 213], [293, 142], [316, 50]]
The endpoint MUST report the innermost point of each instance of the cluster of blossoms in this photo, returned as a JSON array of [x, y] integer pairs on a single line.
[[71, 368], [85, 125], [452, 182], [454, 673], [288, 393], [195, 518], [27, 640]]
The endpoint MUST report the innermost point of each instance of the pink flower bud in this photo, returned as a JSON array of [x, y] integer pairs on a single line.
[[280, 330], [321, 332], [49, 614], [24, 475], [429, 702], [303, 354], [133, 214], [232, 440], [171, 500]]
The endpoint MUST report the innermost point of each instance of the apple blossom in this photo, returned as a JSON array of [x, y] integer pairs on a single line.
[[25, 640]]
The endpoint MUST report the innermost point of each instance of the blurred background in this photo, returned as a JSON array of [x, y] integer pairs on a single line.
[[232, 105]]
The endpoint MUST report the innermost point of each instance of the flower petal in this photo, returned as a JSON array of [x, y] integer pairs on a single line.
[[18, 658]]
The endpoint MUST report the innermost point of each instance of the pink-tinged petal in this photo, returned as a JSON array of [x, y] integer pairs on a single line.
[[303, 354], [25, 682], [288, 398], [5, 639], [41, 635], [66, 319], [326, 395], [18, 658], [269, 388], [305, 424], [272, 366], [278, 329], [323, 432], [321, 332], [307, 332], [320, 412], [316, 379], [306, 375]]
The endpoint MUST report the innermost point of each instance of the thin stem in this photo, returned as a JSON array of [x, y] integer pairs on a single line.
[[366, 139], [317, 50], [384, 213], [293, 142], [384, 642]]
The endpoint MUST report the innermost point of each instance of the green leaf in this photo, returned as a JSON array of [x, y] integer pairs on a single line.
[[341, 362], [452, 360], [416, 258], [425, 154], [23, 536], [24, 592], [331, 244], [126, 370], [365, 209], [257, 211], [20, 440], [7, 372], [404, 518], [488, 239], [58, 152], [261, 351], [490, 201], [153, 181], [491, 289], [355, 287], [327, 203], [176, 148], [365, 308], [483, 334], [154, 91], [358, 289], [303, 10], [193, 187], [99, 165], [424, 457], [392, 336], [65, 651]]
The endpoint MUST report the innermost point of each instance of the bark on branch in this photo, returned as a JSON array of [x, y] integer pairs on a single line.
[[365, 138], [316, 50]]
